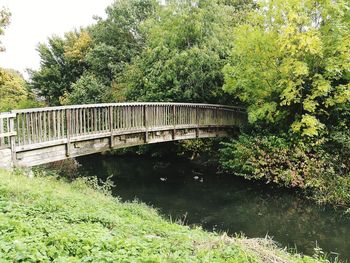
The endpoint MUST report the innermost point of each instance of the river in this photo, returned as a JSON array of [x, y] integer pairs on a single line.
[[194, 194]]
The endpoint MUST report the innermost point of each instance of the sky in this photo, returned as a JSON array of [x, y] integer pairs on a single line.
[[33, 21]]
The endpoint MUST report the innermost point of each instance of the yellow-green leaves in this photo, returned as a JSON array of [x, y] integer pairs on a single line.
[[294, 55], [78, 44], [308, 125], [13, 91]]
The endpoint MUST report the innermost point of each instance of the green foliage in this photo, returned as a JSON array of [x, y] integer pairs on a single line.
[[287, 162], [145, 51], [186, 48], [46, 220], [13, 91], [62, 64], [272, 158], [291, 63], [87, 90], [167, 75]]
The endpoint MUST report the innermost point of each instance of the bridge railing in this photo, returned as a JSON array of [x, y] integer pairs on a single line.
[[43, 125], [7, 130]]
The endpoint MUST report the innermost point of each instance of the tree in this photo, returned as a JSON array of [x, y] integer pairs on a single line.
[[88, 89], [186, 47], [14, 93], [62, 64], [290, 63], [118, 38]]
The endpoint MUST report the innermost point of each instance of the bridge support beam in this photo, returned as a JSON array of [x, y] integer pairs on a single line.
[[57, 152]]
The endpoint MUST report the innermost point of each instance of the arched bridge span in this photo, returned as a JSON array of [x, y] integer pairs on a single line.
[[31, 137]]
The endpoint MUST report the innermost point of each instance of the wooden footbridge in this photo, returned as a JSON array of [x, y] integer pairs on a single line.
[[36, 136]]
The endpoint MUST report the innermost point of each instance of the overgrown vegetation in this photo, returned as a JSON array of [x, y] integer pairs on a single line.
[[291, 66], [44, 219], [281, 160]]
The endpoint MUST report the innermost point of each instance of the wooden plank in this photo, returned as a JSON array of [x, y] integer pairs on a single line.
[[12, 140], [110, 110], [145, 109], [95, 120], [7, 115], [8, 134], [174, 122], [2, 131]]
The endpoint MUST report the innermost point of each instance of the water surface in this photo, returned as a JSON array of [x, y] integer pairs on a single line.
[[197, 195]]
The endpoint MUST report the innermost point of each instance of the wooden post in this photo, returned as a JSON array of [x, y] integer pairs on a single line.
[[145, 122], [111, 125], [68, 124], [174, 123], [2, 140], [197, 122], [12, 139]]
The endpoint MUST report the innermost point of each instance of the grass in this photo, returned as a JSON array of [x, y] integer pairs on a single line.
[[44, 219]]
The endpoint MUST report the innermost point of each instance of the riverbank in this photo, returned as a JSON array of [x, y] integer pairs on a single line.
[[45, 219]]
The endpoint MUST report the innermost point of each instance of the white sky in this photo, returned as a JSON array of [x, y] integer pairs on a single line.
[[32, 21]]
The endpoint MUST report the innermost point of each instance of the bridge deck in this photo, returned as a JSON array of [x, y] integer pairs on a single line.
[[36, 136]]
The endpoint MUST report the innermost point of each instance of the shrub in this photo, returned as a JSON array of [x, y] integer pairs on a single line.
[[280, 160]]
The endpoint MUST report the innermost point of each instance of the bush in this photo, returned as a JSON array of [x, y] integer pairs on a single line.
[[280, 160], [270, 157]]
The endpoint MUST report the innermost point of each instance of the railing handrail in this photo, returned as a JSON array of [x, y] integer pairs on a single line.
[[102, 105], [6, 115]]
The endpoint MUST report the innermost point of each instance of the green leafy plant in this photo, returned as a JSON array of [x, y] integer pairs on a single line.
[[290, 64]]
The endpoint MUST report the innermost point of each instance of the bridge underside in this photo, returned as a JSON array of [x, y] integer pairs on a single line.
[[41, 153]]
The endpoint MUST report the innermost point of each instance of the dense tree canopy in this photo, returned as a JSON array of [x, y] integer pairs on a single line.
[[144, 51], [291, 63], [14, 92], [186, 47], [62, 64]]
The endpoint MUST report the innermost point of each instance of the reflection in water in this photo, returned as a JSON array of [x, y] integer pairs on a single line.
[[183, 190]]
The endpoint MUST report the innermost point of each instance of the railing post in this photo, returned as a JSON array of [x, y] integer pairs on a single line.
[[145, 120], [68, 124], [174, 123], [111, 125], [197, 122], [13, 139], [2, 140]]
